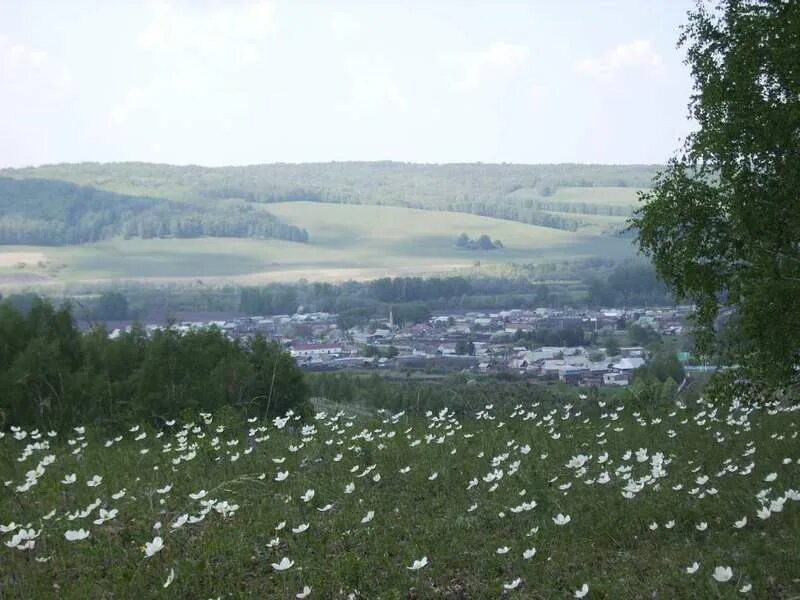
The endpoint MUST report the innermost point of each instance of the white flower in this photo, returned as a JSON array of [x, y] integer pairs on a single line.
[[560, 519], [165, 489], [691, 570], [281, 475], [669, 524], [771, 477], [348, 489], [433, 476], [170, 578], [763, 513], [69, 479], [368, 517], [300, 528], [325, 508], [151, 548], [529, 553], [180, 521], [198, 495], [503, 550], [75, 535], [283, 565], [513, 584], [701, 526], [305, 593], [740, 523], [583, 591], [418, 564], [307, 496], [94, 481], [722, 574], [746, 588]]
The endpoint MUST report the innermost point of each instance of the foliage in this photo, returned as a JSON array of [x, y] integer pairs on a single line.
[[52, 213], [722, 221], [52, 376], [484, 242]]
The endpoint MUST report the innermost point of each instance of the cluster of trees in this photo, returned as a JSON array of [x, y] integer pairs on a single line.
[[483, 242], [721, 223], [55, 377], [52, 213], [412, 289], [552, 336], [628, 284]]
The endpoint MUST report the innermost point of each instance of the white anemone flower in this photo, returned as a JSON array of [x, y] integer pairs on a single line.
[[307, 496], [722, 574], [304, 594], [529, 553], [151, 548], [94, 481], [69, 479], [692, 569], [512, 585], [300, 528], [503, 550], [368, 517], [746, 588], [74, 535], [583, 591], [283, 565], [170, 578], [418, 564], [560, 519], [198, 495], [740, 523]]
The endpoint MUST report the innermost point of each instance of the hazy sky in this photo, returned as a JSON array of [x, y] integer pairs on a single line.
[[213, 82]]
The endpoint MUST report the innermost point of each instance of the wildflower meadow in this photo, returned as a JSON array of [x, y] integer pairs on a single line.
[[588, 500]]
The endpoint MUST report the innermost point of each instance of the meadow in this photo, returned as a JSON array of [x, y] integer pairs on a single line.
[[583, 500], [346, 242]]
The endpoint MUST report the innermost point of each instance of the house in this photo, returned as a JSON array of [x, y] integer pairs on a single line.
[[615, 379], [316, 351], [628, 365]]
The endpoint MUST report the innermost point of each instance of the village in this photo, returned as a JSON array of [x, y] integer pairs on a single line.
[[580, 347]]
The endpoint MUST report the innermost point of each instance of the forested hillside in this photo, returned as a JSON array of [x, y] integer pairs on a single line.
[[564, 196], [53, 213]]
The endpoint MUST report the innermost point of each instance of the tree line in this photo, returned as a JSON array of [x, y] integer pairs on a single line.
[[52, 213], [53, 376]]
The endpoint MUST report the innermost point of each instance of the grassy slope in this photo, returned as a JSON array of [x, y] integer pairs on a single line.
[[609, 542], [347, 241]]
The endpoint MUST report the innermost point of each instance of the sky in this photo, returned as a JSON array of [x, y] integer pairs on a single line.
[[216, 82]]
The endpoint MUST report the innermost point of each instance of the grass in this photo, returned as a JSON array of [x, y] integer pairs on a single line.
[[347, 242], [608, 543], [613, 196]]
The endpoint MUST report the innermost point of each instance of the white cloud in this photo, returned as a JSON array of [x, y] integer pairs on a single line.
[[136, 100], [343, 25], [498, 61], [206, 29], [638, 55], [27, 70], [376, 89]]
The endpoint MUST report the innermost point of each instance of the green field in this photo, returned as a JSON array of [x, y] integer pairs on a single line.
[[347, 242], [520, 502]]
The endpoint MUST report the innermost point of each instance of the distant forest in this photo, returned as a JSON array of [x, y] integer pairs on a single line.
[[52, 213], [524, 193]]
